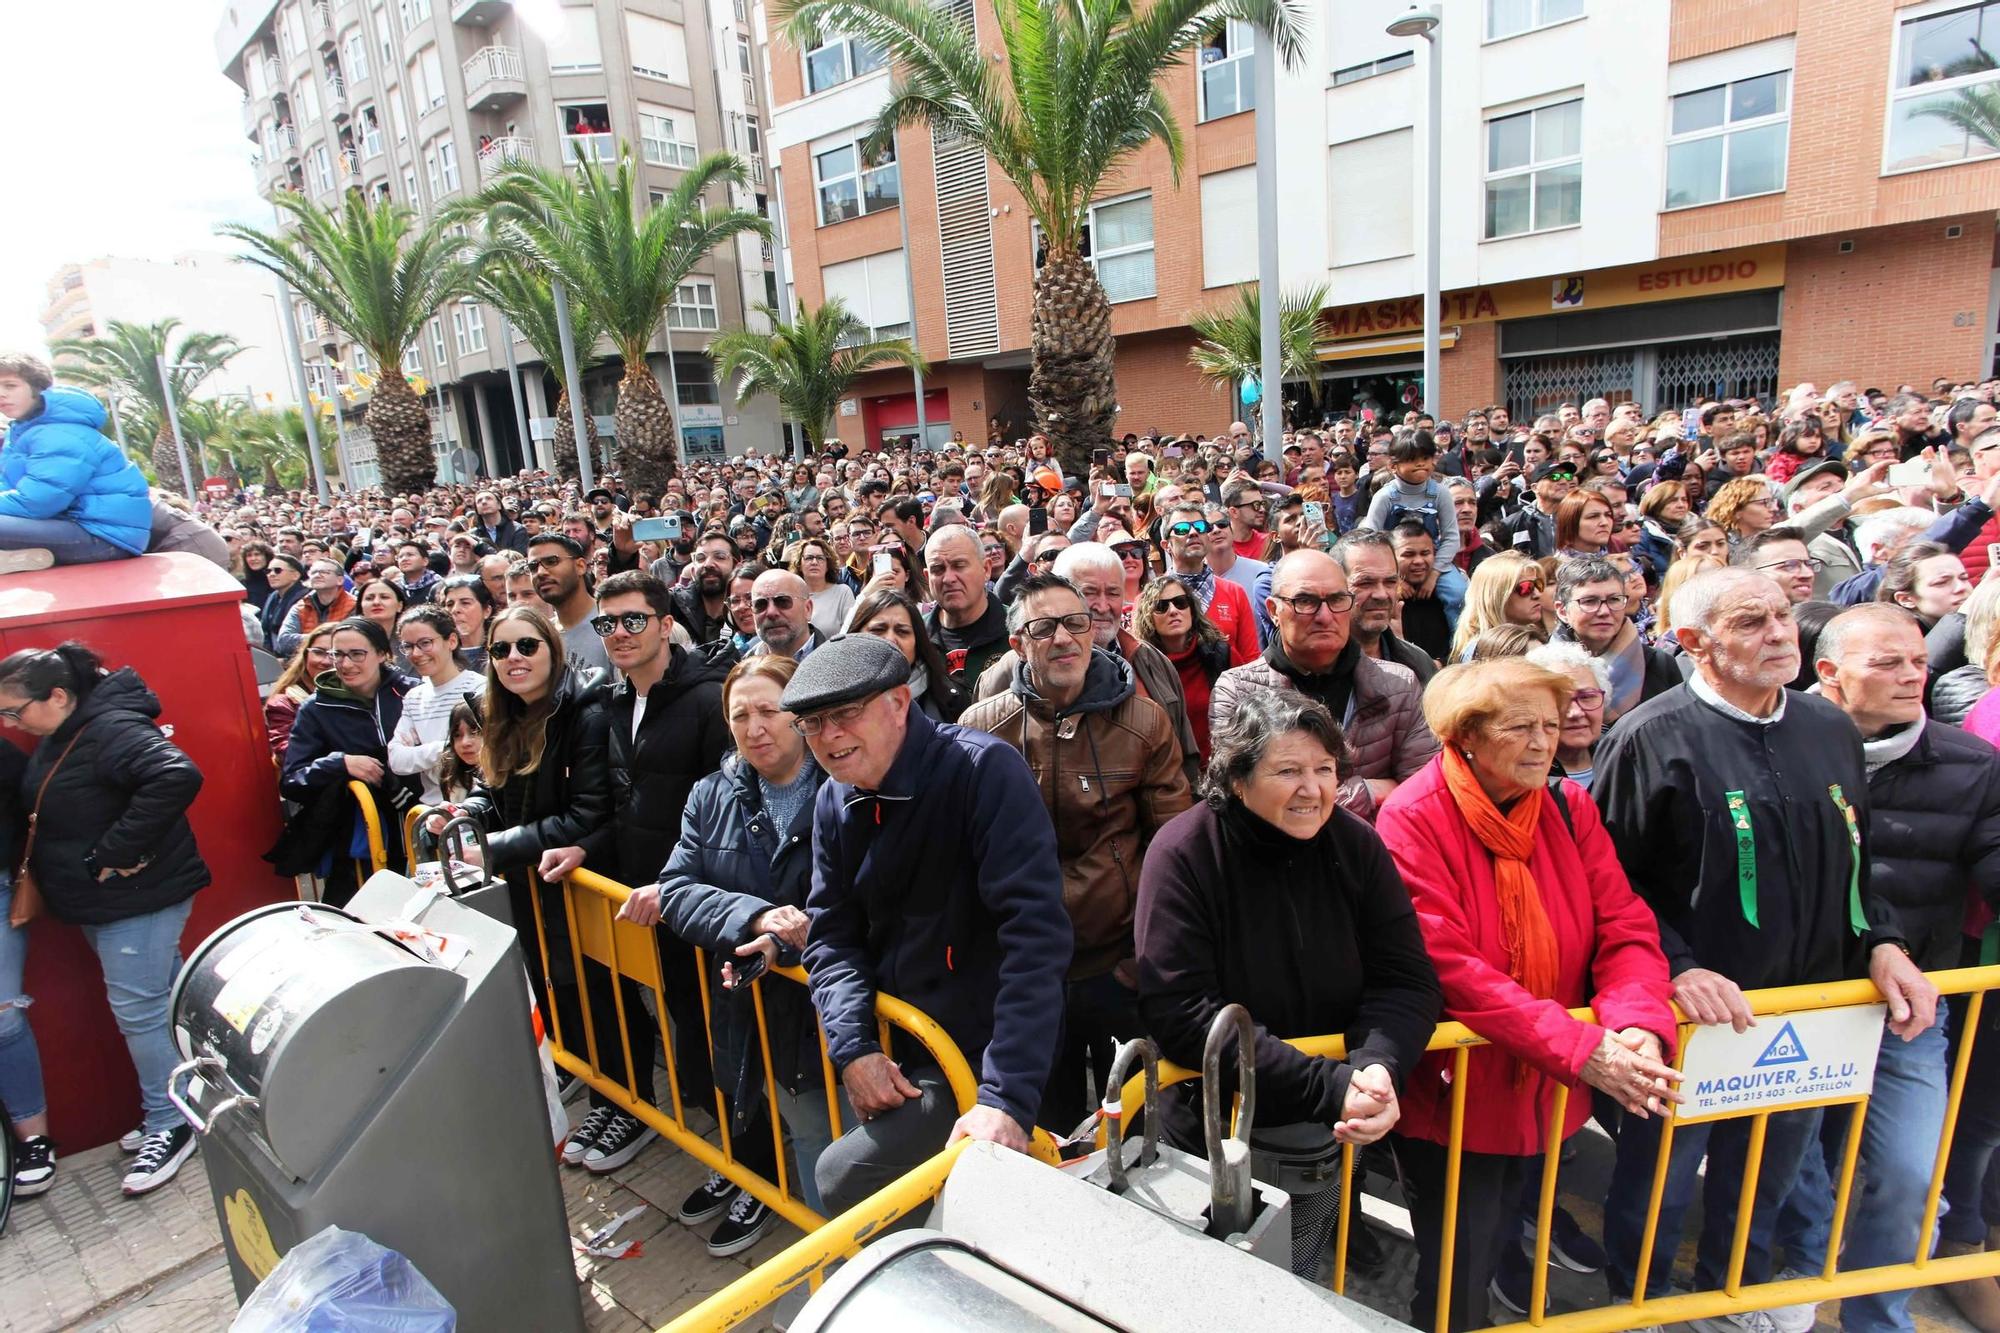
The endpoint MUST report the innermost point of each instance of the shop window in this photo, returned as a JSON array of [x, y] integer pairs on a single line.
[[1509, 18], [1946, 77], [1534, 170], [1729, 141]]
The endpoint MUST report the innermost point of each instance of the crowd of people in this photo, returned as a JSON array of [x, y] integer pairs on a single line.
[[1474, 720]]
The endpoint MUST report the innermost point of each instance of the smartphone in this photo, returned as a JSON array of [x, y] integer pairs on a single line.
[[1110, 490], [1916, 472], [1122, 492], [1315, 513], [1099, 457], [664, 529], [746, 968], [883, 562], [1171, 451], [1038, 522]]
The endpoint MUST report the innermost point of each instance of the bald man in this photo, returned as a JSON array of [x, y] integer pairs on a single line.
[[782, 605], [968, 624]]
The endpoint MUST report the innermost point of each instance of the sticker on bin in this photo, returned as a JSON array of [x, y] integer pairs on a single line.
[[1807, 1059]]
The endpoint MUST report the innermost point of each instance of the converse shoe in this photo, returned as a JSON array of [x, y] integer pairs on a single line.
[[25, 561], [748, 1219], [1751, 1321], [1798, 1318], [568, 1085], [708, 1200], [584, 1137], [623, 1137], [159, 1159], [132, 1140], [34, 1166], [1569, 1245]]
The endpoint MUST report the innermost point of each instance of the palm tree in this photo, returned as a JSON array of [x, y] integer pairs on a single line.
[[523, 294], [377, 276], [808, 365], [1229, 343], [125, 362], [276, 443], [1076, 100], [587, 229], [1976, 111]]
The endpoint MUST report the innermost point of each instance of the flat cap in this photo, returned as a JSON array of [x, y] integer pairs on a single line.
[[1823, 468], [851, 667]]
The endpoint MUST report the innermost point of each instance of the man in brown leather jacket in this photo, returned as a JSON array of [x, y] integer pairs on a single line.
[[1109, 768]]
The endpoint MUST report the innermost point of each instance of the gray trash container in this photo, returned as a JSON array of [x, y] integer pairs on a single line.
[[341, 1077]]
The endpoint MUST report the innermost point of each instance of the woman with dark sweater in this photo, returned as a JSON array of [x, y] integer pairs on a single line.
[[1269, 896]]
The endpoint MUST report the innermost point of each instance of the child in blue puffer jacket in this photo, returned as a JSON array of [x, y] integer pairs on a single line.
[[68, 495]]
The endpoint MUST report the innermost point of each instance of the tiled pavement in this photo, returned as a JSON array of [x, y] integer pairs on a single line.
[[84, 1257]]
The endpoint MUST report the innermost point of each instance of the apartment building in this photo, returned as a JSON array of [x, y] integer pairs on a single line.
[[420, 101], [1640, 200], [206, 290]]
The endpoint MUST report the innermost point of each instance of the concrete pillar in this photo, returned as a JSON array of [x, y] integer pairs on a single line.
[[542, 452], [488, 446]]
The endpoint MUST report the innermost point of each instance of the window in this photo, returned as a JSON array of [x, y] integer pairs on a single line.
[[1228, 214], [875, 290], [413, 360], [427, 80], [475, 327], [458, 330], [362, 365], [357, 56], [753, 139], [371, 133], [693, 306], [321, 178], [660, 141], [659, 48], [742, 11], [1118, 242], [1224, 60], [431, 172], [574, 48], [414, 12], [385, 39], [1506, 18], [402, 123], [1386, 228], [587, 133], [1947, 65], [851, 183], [837, 59], [743, 53], [307, 101], [1534, 170], [410, 187], [448, 163], [437, 341], [1728, 141], [295, 30], [1356, 73]]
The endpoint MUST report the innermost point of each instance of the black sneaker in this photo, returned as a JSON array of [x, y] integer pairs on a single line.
[[708, 1200], [132, 1140], [748, 1219], [1513, 1284], [584, 1137], [623, 1137], [1569, 1245], [568, 1085], [159, 1159], [34, 1165]]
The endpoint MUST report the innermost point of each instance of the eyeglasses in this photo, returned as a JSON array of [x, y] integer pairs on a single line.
[[548, 561], [14, 714], [317, 651], [1628, 525], [1251, 504], [740, 599], [1527, 588], [502, 649], [1195, 529], [352, 655], [634, 622], [1588, 700], [419, 645], [1615, 602], [842, 718], [1076, 625], [1815, 564], [1308, 604], [782, 601], [1182, 602]]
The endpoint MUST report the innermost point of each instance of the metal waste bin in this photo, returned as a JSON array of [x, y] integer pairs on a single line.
[[342, 1073]]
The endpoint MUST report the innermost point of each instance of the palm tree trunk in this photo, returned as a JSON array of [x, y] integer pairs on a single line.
[[1072, 386], [647, 456], [167, 462], [402, 429], [565, 437]]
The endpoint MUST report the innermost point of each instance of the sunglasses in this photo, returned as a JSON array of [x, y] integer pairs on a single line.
[[1527, 588], [502, 649], [782, 601], [1182, 602], [634, 622], [1195, 529], [1130, 550], [1048, 557], [1075, 625]]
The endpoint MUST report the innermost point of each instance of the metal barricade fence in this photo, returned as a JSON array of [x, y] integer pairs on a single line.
[[371, 819], [807, 1258]]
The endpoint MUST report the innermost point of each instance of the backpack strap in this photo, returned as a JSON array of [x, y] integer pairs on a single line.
[[1562, 805]]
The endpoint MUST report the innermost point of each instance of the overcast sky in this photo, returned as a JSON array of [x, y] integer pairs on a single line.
[[124, 138]]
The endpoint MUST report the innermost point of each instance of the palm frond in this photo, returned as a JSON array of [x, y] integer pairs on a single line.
[[1229, 342], [808, 365]]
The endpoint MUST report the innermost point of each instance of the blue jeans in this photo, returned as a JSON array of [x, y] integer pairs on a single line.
[[20, 1061], [1898, 1148], [141, 956], [1726, 1144], [61, 537]]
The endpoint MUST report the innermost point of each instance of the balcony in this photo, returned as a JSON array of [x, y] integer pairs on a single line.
[[284, 142], [346, 165], [493, 78], [478, 13], [336, 93], [253, 119], [579, 148], [320, 16], [497, 153], [274, 74]]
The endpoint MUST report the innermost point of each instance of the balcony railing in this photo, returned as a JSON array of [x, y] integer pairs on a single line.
[[336, 91], [322, 18], [499, 152], [492, 65], [274, 74], [284, 143], [348, 164], [589, 148]]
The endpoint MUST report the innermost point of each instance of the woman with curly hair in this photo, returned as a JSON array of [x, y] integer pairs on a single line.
[[1169, 616], [1742, 508]]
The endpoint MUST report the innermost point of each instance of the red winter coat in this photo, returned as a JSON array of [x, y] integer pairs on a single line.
[[1609, 945]]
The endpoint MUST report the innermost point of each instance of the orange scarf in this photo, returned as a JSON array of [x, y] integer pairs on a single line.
[[1531, 943]]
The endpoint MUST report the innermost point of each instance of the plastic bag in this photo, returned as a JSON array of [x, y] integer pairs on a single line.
[[343, 1282]]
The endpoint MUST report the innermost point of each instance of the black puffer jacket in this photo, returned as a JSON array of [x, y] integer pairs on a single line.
[[123, 794], [1934, 837], [1955, 692], [681, 740], [567, 798]]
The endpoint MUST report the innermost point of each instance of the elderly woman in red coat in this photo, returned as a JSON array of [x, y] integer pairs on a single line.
[[1526, 914]]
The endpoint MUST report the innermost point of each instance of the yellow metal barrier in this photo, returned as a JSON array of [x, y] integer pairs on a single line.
[[371, 818]]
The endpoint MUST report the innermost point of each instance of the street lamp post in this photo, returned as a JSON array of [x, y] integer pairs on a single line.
[[567, 334], [910, 296], [339, 418], [291, 337], [1424, 23], [514, 384], [174, 420], [1264, 70]]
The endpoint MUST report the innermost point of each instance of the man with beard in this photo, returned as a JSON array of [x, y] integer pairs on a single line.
[[701, 605], [493, 527], [559, 566], [1373, 576], [1740, 810], [782, 604]]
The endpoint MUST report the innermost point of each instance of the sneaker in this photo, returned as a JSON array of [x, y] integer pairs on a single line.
[[568, 1085], [1569, 1245], [132, 1140], [25, 561], [748, 1219], [708, 1200], [584, 1137], [34, 1166], [159, 1159], [1794, 1318], [1750, 1321], [1513, 1284], [623, 1137]]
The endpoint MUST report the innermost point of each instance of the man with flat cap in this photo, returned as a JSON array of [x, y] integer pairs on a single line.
[[935, 879]]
